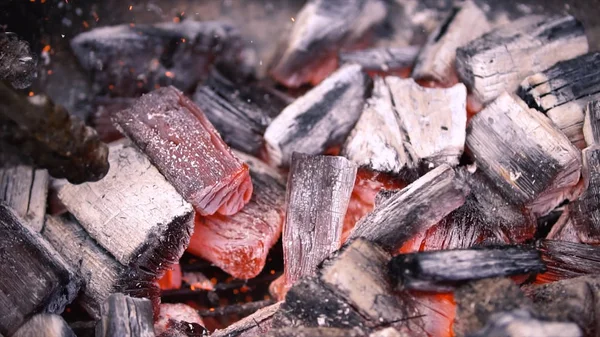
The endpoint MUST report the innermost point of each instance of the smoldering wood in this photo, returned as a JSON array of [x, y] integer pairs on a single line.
[[584, 212], [127, 60], [565, 260], [320, 30], [34, 276], [236, 309], [434, 119], [125, 316], [313, 332], [184, 329], [46, 134], [563, 229], [519, 323], [499, 60], [241, 113], [180, 141], [318, 193], [18, 65], [437, 59], [133, 213], [257, 323], [25, 189], [47, 325], [320, 119], [377, 142], [443, 270], [563, 91], [591, 123], [382, 59], [101, 120], [415, 208], [510, 143], [178, 319]]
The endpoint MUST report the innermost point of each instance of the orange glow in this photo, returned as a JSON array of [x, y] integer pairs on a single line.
[[85, 24], [111, 87], [176, 19], [43, 1], [31, 93], [235, 291], [130, 7], [46, 48], [183, 40], [96, 17], [132, 25], [213, 280], [50, 72], [169, 74], [272, 272], [172, 278], [440, 311], [212, 309]]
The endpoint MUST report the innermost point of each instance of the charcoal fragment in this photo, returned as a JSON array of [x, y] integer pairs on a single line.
[[591, 123], [45, 325], [126, 317], [584, 212], [521, 323], [382, 60], [566, 260], [18, 65]]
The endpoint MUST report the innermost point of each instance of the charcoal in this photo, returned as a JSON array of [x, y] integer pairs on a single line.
[[128, 60], [591, 123], [433, 119], [321, 29], [436, 61], [521, 323], [198, 280], [563, 229], [241, 113], [101, 118], [188, 151], [499, 60], [25, 189], [313, 332], [133, 213], [125, 316], [387, 332], [34, 276], [18, 65], [563, 91], [253, 325], [45, 325], [565, 260], [382, 60], [511, 142], [46, 134], [179, 320], [239, 243], [584, 212], [320, 119], [417, 207], [443, 270], [377, 142], [318, 192]]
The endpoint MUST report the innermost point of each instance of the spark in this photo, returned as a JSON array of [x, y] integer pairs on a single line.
[[176, 19], [169, 74], [293, 20], [46, 48], [86, 25], [130, 7], [31, 93]]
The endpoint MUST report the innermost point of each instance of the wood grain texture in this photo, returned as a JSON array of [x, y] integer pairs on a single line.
[[254, 325], [25, 190], [126, 317], [518, 323], [591, 123], [382, 59], [584, 212], [313, 332]]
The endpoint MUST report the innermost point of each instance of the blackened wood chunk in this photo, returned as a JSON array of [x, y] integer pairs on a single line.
[[566, 260], [444, 269], [125, 316], [563, 92], [241, 113], [18, 65], [321, 29], [134, 213], [128, 60], [521, 323], [591, 123], [585, 211], [318, 193], [34, 278], [313, 332], [523, 154], [382, 60], [180, 141], [436, 61], [49, 136], [254, 325], [45, 325], [320, 119], [413, 209], [433, 119], [499, 60], [25, 190]]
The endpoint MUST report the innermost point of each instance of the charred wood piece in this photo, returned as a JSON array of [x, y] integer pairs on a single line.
[[591, 123], [53, 139], [313, 332], [125, 316], [179, 320], [25, 190], [510, 142], [236, 309], [180, 141], [254, 325], [101, 118], [45, 325], [320, 119], [382, 60], [400, 215], [130, 60], [521, 323], [584, 212], [443, 270], [18, 65], [563, 91], [565, 260], [499, 60]]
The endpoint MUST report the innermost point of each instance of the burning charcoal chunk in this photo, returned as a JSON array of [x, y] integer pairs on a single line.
[[563, 229], [321, 29], [438, 311], [172, 278], [53, 139], [584, 212], [125, 316], [239, 244], [240, 113], [129, 60], [318, 193], [133, 213], [437, 59], [377, 142], [415, 208], [563, 91], [433, 119], [18, 65], [477, 301], [442, 270], [34, 277], [521, 323], [591, 123], [322, 118], [175, 319], [382, 60], [511, 142], [566, 260], [188, 151], [45, 325], [313, 332], [499, 60], [254, 325], [25, 190]]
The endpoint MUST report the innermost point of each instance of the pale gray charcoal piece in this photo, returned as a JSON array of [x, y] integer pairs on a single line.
[[322, 118], [253, 325], [591, 123], [521, 323], [125, 316], [18, 65], [25, 189], [382, 59], [313, 332], [584, 211], [45, 325]]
